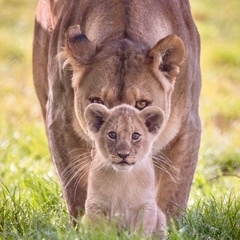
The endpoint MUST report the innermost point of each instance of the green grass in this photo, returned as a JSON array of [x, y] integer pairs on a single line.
[[210, 218], [31, 203], [220, 100], [34, 209]]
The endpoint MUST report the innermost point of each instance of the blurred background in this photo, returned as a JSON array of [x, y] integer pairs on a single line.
[[23, 145]]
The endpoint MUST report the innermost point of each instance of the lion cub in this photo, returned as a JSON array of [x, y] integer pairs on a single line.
[[121, 181]]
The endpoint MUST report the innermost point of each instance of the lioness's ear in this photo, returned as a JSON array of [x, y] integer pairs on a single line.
[[167, 56], [153, 117], [95, 115], [79, 46]]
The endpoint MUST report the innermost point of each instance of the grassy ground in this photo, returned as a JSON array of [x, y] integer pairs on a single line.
[[31, 204]]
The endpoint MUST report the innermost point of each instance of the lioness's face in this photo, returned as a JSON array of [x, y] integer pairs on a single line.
[[112, 80], [123, 72]]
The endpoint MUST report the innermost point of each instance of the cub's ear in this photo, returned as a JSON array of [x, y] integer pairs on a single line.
[[153, 117], [167, 56], [95, 115], [78, 46]]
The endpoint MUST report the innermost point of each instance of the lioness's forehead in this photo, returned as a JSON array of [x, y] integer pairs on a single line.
[[117, 68], [123, 50], [118, 59], [120, 73]]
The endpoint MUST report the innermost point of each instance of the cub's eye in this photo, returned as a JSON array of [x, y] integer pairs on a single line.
[[97, 100], [112, 135], [141, 104], [136, 136]]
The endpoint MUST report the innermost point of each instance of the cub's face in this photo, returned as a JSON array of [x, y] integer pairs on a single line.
[[123, 135], [122, 72]]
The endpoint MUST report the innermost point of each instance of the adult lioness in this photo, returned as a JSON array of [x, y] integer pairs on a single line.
[[119, 51]]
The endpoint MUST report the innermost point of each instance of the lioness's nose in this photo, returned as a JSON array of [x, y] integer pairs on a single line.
[[123, 155]]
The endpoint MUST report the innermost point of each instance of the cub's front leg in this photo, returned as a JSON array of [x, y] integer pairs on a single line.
[[151, 221], [95, 213], [161, 226]]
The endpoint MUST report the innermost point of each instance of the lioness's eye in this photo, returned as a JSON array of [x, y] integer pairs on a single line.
[[97, 100], [141, 104], [112, 135], [136, 136]]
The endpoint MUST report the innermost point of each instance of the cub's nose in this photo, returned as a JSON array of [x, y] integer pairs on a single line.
[[123, 155]]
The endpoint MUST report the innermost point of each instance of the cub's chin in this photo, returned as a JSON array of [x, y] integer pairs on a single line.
[[122, 167]]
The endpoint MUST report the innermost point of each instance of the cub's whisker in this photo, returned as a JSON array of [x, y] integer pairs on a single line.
[[79, 166], [164, 159], [161, 167], [75, 164], [79, 150]]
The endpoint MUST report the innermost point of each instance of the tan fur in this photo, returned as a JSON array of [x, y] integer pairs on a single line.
[[121, 181], [142, 53]]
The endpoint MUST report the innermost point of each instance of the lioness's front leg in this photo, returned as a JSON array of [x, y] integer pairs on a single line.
[[178, 166], [71, 155]]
